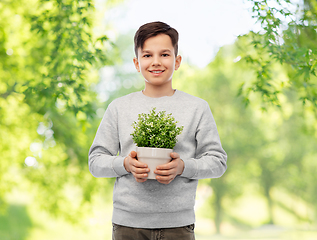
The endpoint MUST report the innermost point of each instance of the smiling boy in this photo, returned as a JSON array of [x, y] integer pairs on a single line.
[[157, 61], [161, 208]]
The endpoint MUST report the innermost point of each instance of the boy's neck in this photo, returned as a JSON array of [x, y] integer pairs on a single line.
[[158, 92]]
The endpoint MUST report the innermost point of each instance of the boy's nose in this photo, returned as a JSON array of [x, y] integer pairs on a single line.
[[156, 61]]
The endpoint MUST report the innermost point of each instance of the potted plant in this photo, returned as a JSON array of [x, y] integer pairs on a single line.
[[155, 135]]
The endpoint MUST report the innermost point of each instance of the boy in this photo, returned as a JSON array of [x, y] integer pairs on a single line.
[[161, 208]]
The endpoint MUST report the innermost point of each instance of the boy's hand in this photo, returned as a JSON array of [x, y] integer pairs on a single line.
[[169, 171], [138, 169]]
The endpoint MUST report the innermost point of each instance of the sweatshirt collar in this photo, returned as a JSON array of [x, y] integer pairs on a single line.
[[159, 98]]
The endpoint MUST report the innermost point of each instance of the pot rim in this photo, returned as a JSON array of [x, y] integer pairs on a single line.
[[155, 148]]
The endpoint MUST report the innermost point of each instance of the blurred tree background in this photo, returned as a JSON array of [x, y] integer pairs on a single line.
[[58, 74]]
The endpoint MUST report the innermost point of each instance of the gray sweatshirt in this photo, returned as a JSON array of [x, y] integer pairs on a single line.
[[152, 204]]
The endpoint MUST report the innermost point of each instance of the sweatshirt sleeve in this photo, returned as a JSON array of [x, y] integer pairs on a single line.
[[103, 154], [211, 159]]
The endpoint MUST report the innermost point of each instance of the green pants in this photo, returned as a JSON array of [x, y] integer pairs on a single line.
[[127, 233]]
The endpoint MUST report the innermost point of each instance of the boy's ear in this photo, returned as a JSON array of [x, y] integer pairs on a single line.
[[178, 62], [136, 64]]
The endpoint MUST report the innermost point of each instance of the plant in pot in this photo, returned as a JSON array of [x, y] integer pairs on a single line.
[[155, 135]]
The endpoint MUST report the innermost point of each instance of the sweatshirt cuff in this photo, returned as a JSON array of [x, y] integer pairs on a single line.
[[190, 168], [117, 166]]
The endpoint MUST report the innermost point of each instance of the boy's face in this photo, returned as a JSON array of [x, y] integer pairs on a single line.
[[157, 61]]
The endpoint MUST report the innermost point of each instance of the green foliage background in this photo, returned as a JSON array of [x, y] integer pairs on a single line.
[[261, 90], [49, 66]]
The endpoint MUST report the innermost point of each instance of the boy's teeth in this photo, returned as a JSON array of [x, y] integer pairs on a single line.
[[156, 71]]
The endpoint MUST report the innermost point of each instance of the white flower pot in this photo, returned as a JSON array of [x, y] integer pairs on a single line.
[[154, 157]]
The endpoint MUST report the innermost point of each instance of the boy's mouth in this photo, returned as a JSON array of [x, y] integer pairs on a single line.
[[156, 71]]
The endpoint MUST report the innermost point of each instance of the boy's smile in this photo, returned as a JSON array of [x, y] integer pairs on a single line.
[[157, 63]]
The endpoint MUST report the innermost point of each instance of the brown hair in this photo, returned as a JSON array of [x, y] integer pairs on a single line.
[[153, 29]]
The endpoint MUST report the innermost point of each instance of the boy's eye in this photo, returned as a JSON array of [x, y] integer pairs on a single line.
[[147, 55], [165, 55]]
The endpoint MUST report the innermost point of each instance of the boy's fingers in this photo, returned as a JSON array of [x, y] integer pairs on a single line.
[[138, 164], [175, 155], [170, 165], [164, 179], [133, 154], [138, 167], [164, 172], [140, 176], [140, 170]]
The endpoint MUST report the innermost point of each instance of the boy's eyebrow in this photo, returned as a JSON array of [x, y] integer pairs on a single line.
[[164, 50]]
